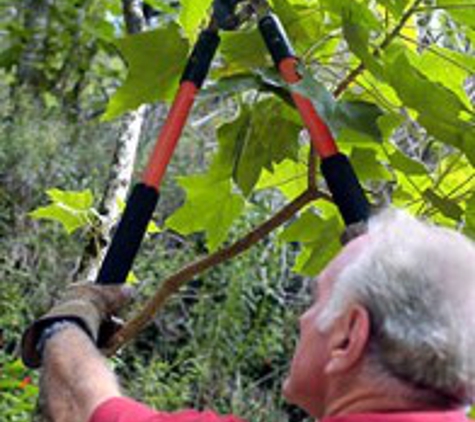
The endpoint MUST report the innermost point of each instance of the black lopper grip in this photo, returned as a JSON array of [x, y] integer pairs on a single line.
[[345, 189], [201, 57], [275, 38], [128, 236]]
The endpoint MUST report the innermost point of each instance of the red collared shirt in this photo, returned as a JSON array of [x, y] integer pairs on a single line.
[[426, 416], [122, 409]]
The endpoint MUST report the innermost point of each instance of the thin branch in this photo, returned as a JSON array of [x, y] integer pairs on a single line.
[[343, 85], [173, 283], [312, 168]]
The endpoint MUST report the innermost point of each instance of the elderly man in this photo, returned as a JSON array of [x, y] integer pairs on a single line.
[[390, 336]]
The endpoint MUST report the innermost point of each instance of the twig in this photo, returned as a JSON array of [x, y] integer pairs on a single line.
[[343, 85], [173, 283], [312, 168]]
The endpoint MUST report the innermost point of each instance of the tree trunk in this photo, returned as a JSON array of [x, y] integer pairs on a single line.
[[121, 168], [117, 185], [36, 17]]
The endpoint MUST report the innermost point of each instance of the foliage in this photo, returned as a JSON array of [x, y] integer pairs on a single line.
[[18, 390], [391, 78], [39, 149], [389, 118], [234, 363], [72, 209], [161, 43]]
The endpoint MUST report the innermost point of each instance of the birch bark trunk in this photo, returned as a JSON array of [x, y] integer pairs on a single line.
[[117, 186], [122, 165]]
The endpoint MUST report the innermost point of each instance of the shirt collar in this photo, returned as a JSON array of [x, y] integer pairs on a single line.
[[426, 416]]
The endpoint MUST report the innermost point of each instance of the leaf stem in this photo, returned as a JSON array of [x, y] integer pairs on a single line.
[[312, 168]]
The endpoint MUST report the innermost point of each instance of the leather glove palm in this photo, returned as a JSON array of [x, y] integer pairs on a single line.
[[85, 304]]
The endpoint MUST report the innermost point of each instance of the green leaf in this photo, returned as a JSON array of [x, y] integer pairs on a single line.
[[153, 228], [70, 208], [132, 279], [10, 56], [367, 166], [320, 239], [417, 91], [303, 229], [322, 99], [449, 68], [462, 11], [360, 116], [454, 174], [156, 60], [316, 256], [358, 38], [469, 217], [355, 11], [289, 177], [210, 207], [256, 139], [301, 20], [192, 13], [405, 164], [70, 219], [439, 109], [446, 206], [396, 7], [388, 123], [79, 200], [243, 50]]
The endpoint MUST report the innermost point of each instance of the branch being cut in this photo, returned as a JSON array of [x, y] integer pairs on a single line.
[[173, 283]]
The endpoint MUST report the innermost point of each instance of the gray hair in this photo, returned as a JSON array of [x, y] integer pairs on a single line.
[[417, 282]]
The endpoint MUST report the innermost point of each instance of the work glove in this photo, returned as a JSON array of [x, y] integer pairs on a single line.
[[90, 306]]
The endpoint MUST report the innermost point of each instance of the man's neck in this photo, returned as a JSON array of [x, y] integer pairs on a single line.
[[373, 399]]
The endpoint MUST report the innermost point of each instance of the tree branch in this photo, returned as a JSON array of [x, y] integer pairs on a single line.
[[312, 169], [173, 283], [350, 78]]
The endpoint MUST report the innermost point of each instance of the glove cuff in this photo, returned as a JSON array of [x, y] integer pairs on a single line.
[[31, 347]]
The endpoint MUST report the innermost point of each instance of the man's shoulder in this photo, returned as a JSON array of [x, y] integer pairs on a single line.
[[123, 409]]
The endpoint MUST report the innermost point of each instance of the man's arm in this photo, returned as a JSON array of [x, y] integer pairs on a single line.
[[74, 367], [77, 385]]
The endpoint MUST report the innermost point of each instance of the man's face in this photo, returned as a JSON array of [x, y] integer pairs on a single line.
[[307, 384]]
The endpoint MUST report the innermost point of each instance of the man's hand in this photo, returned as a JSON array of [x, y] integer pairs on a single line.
[[88, 305]]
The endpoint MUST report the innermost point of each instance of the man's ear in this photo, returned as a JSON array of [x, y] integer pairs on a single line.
[[348, 339]]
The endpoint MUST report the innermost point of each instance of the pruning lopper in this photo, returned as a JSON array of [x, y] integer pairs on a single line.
[[339, 175]]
